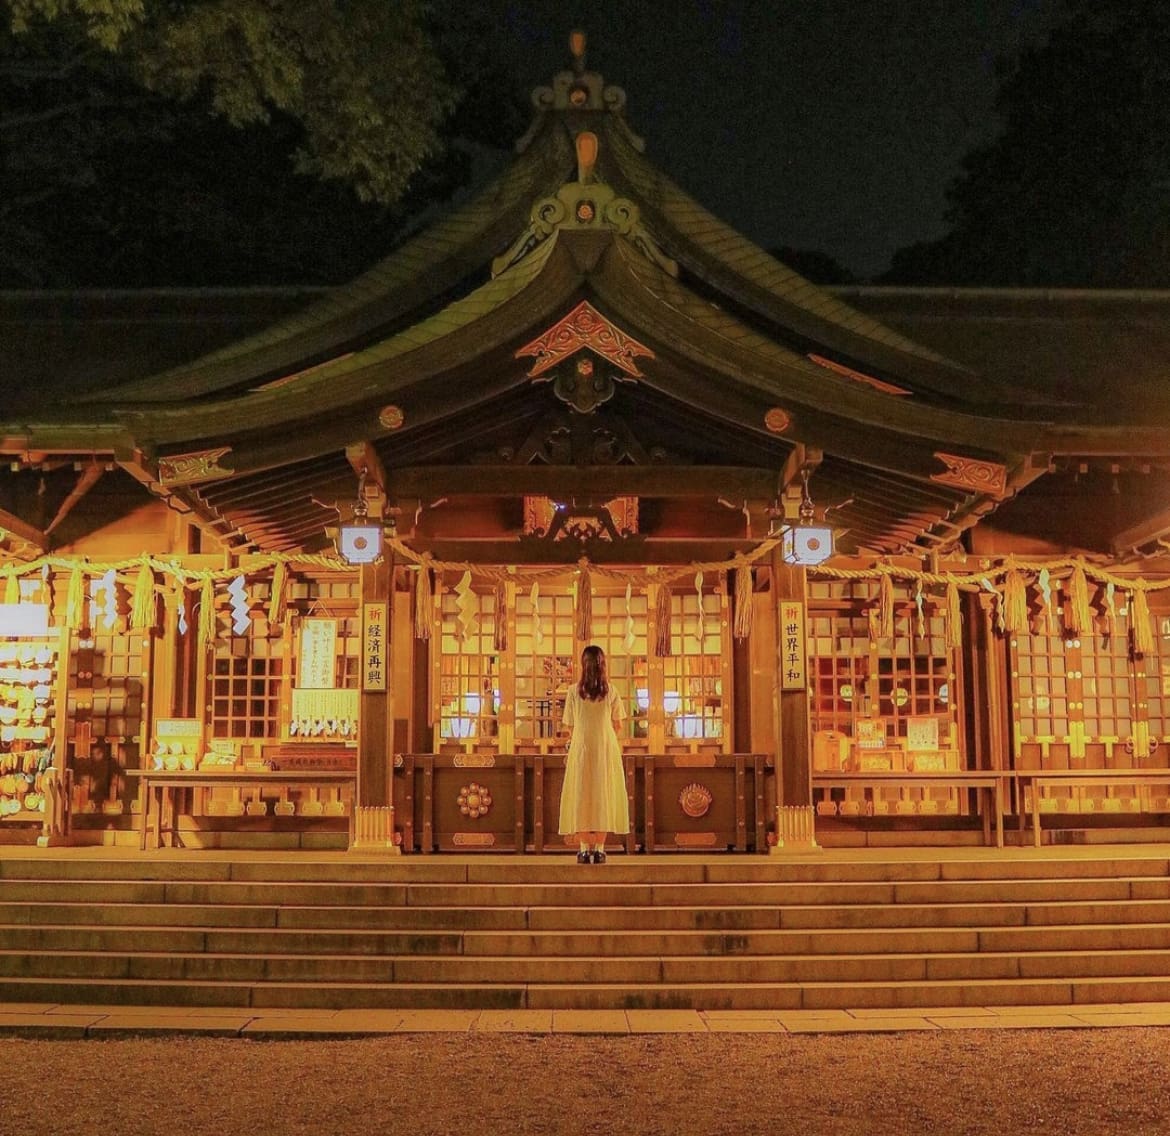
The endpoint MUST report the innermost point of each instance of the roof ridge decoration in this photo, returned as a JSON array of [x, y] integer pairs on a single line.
[[578, 89], [586, 204]]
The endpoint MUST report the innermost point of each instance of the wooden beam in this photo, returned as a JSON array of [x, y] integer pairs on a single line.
[[1152, 529], [570, 551], [86, 480], [802, 458], [12, 526], [596, 481]]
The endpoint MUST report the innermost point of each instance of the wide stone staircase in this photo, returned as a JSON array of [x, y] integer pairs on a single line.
[[544, 932]]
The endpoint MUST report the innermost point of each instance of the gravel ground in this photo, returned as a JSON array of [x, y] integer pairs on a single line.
[[1096, 1082]]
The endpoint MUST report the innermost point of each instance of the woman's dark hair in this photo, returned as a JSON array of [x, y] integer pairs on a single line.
[[594, 684]]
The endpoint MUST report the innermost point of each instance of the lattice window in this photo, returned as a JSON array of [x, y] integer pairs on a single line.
[[545, 663], [693, 693], [1040, 686], [245, 675], [1108, 684], [469, 685], [1156, 683], [914, 677], [839, 655], [625, 655]]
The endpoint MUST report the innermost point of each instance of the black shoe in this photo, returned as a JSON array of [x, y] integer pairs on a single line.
[[599, 857], [582, 857]]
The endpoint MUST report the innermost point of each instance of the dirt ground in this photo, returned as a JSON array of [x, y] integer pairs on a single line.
[[1099, 1081]]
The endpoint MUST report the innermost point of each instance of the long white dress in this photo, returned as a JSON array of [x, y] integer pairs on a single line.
[[594, 796]]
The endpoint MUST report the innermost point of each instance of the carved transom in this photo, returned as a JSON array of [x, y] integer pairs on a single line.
[[584, 327], [616, 518]]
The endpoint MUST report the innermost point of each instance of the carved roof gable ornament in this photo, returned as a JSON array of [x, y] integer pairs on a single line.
[[584, 327], [972, 473], [187, 469], [585, 204]]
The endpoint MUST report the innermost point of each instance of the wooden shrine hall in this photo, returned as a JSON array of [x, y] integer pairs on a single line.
[[326, 584]]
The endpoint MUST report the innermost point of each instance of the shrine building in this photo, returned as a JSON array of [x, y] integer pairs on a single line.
[[314, 568]]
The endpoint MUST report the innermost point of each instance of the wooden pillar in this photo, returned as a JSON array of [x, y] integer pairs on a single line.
[[374, 807], [795, 819]]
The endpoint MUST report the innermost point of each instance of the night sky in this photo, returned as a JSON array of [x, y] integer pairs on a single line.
[[832, 125]]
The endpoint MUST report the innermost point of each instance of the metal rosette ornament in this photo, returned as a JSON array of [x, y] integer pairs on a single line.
[[695, 800], [474, 800]]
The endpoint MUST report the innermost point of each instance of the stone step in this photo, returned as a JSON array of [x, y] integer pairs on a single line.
[[605, 893], [805, 970], [912, 994], [47, 938], [641, 869]]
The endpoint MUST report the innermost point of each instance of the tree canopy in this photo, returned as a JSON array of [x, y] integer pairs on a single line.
[[1076, 188], [159, 141]]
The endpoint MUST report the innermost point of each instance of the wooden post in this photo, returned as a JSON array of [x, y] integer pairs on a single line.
[[373, 825], [795, 819]]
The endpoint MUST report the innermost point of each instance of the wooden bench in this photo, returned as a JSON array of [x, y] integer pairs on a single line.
[[166, 783], [1037, 779], [987, 782]]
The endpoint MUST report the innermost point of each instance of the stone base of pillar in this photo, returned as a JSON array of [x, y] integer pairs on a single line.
[[373, 830], [795, 830]]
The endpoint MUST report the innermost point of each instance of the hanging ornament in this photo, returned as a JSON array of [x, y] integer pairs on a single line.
[[1110, 608], [1015, 603], [276, 599], [1080, 615], [954, 617], [885, 606], [238, 597], [75, 599], [584, 613], [423, 600], [104, 599], [701, 622], [919, 613], [207, 613], [1044, 583], [631, 628], [181, 601], [743, 599], [142, 606], [537, 626], [465, 606], [663, 641], [1139, 622], [997, 602], [500, 626]]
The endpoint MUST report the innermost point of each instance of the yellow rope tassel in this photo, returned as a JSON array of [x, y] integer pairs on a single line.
[[662, 645], [885, 620], [75, 599], [1139, 621], [12, 589], [1015, 603], [207, 614], [954, 617], [276, 599], [142, 606], [423, 600], [1080, 615], [584, 618], [743, 600], [500, 640]]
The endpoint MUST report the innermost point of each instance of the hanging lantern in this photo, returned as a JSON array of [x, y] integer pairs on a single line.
[[803, 542]]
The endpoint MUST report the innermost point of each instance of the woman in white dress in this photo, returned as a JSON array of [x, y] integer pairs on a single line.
[[593, 800]]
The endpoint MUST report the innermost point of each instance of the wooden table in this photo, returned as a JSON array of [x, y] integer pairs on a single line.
[[984, 780], [1038, 778], [166, 782]]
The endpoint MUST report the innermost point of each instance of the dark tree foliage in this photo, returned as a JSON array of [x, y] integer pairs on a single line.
[[1076, 189], [112, 176]]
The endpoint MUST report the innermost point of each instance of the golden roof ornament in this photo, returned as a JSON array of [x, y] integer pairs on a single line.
[[578, 88]]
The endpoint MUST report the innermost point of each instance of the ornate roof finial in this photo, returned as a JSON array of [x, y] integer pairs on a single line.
[[577, 47]]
